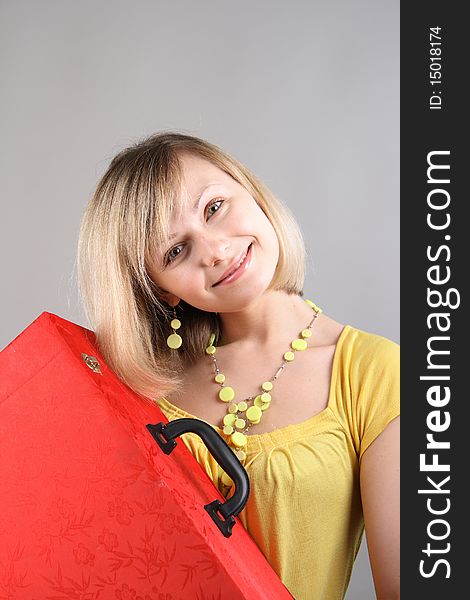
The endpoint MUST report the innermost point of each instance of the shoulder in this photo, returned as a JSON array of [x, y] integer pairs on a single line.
[[364, 348], [375, 384], [368, 385], [356, 347], [369, 362], [327, 331]]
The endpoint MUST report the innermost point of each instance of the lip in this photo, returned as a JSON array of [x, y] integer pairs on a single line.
[[230, 276]]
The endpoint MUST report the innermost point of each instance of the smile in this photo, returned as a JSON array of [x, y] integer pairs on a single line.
[[236, 270]]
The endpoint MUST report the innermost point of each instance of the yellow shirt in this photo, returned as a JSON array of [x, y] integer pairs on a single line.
[[304, 511]]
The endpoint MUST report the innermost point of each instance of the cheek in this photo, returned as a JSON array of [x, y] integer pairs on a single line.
[[271, 240], [186, 282], [256, 223], [253, 216]]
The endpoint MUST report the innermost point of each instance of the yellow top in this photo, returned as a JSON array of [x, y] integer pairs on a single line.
[[304, 511]]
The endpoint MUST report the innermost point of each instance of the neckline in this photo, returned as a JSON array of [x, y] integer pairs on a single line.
[[287, 432]]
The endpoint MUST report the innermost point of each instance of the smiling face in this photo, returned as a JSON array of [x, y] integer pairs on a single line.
[[223, 250]]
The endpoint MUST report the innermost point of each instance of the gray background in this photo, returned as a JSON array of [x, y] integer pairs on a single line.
[[306, 93]]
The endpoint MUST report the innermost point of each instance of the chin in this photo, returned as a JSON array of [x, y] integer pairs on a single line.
[[243, 296]]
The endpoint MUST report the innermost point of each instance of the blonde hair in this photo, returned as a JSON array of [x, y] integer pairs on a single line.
[[125, 222]]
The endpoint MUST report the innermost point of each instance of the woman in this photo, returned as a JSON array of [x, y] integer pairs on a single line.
[[192, 274]]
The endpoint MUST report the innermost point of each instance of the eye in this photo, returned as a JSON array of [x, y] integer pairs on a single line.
[[213, 207], [173, 253]]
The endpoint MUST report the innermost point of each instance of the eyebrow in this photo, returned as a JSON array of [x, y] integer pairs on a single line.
[[195, 205]]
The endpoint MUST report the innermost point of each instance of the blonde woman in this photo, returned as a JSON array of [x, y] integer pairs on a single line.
[[192, 275]]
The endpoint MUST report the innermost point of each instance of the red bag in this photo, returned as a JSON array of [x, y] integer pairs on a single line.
[[90, 506]]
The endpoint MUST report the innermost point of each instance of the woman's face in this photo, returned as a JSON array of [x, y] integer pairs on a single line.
[[223, 251]]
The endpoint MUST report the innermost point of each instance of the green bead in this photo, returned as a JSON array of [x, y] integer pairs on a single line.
[[228, 430], [240, 454], [299, 344], [254, 413], [174, 341], [242, 406], [233, 408], [306, 333], [238, 439], [230, 420], [211, 350], [266, 397], [240, 424], [175, 324], [289, 356], [219, 378], [261, 404], [258, 401], [227, 394], [267, 386]]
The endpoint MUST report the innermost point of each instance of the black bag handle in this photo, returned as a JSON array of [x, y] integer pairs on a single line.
[[222, 513]]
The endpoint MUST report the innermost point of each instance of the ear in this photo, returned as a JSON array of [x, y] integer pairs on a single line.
[[170, 299]]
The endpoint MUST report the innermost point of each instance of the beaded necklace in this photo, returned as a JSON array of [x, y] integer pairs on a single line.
[[240, 417]]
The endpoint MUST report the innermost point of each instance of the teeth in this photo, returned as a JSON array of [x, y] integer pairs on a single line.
[[238, 265], [240, 262]]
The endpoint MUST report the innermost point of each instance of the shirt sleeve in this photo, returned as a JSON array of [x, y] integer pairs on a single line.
[[375, 381]]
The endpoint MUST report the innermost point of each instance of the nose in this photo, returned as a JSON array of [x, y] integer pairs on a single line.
[[213, 250]]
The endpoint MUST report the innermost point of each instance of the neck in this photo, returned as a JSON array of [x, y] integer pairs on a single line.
[[272, 315]]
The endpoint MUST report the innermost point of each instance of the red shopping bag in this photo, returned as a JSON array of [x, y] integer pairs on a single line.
[[90, 506]]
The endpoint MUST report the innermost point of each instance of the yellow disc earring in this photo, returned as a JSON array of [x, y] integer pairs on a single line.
[[174, 340]]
